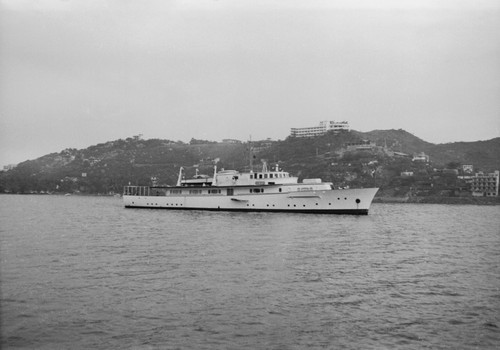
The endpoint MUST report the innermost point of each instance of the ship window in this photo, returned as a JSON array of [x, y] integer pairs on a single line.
[[251, 176], [279, 189], [265, 176], [271, 176], [260, 176]]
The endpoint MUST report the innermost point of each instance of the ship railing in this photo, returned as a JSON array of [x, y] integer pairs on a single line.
[[136, 191]]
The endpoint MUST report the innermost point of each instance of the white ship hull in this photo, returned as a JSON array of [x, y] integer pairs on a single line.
[[331, 201]]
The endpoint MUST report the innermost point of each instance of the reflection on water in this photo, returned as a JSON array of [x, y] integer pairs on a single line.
[[83, 272]]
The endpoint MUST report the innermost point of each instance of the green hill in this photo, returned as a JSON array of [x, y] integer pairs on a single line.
[[107, 167]]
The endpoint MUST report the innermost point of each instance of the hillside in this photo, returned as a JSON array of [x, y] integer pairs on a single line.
[[483, 154], [398, 140], [107, 167]]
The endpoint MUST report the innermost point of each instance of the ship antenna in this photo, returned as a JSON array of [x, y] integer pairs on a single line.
[[250, 155]]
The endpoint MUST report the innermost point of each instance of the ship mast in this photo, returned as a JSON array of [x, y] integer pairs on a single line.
[[250, 155]]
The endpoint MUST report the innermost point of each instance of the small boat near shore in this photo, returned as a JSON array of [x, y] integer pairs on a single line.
[[264, 191]]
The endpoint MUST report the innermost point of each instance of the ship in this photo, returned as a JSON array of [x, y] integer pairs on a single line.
[[268, 190]]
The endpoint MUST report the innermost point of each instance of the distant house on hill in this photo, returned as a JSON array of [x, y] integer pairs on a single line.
[[232, 141], [365, 145], [9, 167], [420, 157], [399, 154], [467, 168]]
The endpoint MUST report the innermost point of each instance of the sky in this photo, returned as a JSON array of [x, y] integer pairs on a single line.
[[75, 73]]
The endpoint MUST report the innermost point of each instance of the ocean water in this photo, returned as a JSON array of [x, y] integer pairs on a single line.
[[86, 273]]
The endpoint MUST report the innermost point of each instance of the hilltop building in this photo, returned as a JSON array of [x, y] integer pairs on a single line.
[[323, 128], [232, 141], [485, 185], [364, 145]]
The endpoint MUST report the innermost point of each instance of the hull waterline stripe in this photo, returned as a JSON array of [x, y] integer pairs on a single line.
[[303, 211]]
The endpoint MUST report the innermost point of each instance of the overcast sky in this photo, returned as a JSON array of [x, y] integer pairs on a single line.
[[75, 73]]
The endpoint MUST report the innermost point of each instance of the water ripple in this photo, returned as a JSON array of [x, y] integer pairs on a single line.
[[83, 272]]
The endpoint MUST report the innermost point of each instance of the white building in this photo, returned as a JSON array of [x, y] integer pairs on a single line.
[[323, 128], [485, 185], [421, 157], [468, 168]]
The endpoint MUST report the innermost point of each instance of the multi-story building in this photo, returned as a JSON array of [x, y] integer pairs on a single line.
[[485, 185], [324, 127]]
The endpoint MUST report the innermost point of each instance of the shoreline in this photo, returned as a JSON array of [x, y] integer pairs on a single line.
[[382, 199], [440, 200]]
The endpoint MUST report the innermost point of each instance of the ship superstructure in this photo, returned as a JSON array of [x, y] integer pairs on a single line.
[[266, 190]]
